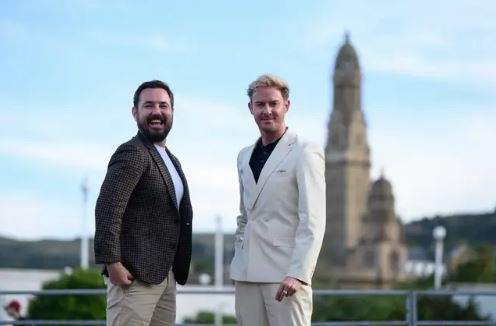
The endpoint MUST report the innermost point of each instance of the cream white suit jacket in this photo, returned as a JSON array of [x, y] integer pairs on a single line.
[[282, 217]]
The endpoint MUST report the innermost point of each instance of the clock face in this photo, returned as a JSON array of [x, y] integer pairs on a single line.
[[346, 63]]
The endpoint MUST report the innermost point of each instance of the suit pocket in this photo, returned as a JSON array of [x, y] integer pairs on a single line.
[[280, 173], [284, 242]]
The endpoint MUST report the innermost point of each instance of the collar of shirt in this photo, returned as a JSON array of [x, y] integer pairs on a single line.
[[260, 156]]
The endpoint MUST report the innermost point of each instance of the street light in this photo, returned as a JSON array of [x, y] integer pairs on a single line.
[[219, 253], [219, 266], [84, 236], [439, 233]]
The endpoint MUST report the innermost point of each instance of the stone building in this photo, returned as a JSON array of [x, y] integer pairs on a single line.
[[364, 243]]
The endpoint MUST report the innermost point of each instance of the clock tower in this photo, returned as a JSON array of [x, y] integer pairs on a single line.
[[347, 160]]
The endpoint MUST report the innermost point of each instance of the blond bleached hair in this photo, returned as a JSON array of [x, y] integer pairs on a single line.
[[269, 81]]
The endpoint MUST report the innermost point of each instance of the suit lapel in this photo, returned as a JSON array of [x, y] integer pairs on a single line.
[[280, 152], [246, 171], [177, 165], [162, 168]]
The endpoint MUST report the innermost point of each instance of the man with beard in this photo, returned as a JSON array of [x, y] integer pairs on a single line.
[[143, 218]]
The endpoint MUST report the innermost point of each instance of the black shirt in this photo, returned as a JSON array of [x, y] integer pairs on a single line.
[[260, 155]]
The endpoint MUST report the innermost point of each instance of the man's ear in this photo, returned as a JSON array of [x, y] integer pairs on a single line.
[[288, 104], [250, 107], [134, 112]]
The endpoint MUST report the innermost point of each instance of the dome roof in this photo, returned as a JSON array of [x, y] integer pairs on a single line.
[[382, 187], [347, 56]]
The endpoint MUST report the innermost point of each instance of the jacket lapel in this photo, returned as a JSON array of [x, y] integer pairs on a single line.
[[177, 165], [162, 168], [281, 150], [246, 172]]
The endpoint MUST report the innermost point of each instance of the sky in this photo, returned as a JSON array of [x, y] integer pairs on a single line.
[[68, 70]]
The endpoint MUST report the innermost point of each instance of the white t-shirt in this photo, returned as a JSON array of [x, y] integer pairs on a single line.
[[176, 179]]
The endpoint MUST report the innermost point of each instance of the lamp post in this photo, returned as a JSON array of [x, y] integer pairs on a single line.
[[439, 233], [84, 236], [219, 253], [219, 265]]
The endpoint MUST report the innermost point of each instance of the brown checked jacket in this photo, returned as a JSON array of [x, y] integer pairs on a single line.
[[136, 219]]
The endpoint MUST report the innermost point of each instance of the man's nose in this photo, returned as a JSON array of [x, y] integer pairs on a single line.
[[266, 109], [156, 108]]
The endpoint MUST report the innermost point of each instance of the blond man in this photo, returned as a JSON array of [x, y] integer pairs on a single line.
[[282, 215]]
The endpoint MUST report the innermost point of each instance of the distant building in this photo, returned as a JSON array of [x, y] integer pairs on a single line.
[[364, 243], [420, 261]]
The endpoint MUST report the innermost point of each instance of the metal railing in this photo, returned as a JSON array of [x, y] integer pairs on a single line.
[[411, 297]]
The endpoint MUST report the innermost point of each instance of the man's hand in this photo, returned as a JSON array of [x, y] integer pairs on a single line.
[[287, 288], [119, 275]]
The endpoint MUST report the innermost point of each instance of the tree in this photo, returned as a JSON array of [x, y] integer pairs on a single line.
[[481, 269], [206, 317], [382, 308], [444, 308], [376, 308], [369, 308], [70, 307]]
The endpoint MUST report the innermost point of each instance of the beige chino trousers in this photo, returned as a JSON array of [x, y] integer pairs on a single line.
[[256, 305], [142, 304]]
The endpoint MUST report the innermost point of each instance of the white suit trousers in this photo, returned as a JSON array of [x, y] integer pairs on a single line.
[[256, 305]]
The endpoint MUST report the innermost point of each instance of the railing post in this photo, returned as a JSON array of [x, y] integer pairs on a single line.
[[411, 309]]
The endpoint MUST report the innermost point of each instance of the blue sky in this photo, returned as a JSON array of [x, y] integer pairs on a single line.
[[68, 70]]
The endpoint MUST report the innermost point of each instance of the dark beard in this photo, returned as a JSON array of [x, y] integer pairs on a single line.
[[155, 137]]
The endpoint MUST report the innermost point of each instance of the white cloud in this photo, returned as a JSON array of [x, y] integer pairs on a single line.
[[206, 137], [166, 43], [159, 42], [28, 216], [470, 68], [440, 165], [438, 168], [212, 116], [88, 157], [434, 167], [444, 40]]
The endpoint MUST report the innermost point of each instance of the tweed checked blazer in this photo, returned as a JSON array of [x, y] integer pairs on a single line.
[[136, 217], [282, 216]]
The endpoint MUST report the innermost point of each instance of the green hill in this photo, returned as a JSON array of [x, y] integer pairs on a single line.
[[461, 228], [57, 254], [42, 254]]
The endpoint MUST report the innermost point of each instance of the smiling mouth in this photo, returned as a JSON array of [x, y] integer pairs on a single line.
[[156, 123]]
